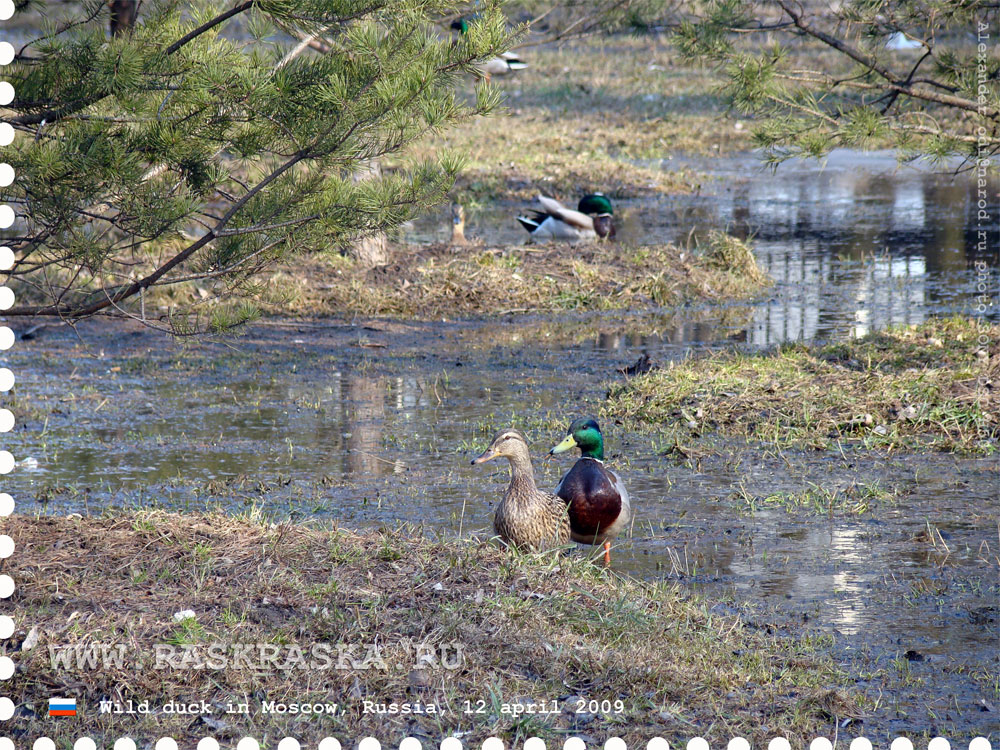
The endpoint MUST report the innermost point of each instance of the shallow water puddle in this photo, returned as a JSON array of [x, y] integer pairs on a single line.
[[311, 420]]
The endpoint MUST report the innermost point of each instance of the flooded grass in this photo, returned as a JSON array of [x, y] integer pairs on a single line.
[[440, 280], [548, 628], [856, 499], [929, 386]]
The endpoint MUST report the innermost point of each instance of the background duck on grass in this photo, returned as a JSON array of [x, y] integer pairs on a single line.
[[593, 218], [458, 225], [501, 65]]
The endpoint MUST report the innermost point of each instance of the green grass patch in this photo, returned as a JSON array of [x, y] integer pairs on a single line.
[[929, 386], [856, 499]]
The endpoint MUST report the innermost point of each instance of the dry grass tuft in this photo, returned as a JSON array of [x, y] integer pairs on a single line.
[[733, 256], [936, 384], [440, 280], [531, 628]]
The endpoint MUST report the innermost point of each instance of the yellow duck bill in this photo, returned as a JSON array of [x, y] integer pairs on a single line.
[[568, 442]]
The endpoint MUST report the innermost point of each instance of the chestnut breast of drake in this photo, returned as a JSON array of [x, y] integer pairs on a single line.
[[598, 501]]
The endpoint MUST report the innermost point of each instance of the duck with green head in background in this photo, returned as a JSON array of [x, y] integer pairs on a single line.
[[501, 65], [593, 219], [598, 502]]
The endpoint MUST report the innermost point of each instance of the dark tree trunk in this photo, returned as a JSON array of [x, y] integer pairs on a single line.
[[123, 13]]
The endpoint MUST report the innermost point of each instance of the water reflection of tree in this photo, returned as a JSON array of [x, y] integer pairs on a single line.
[[908, 235], [364, 417]]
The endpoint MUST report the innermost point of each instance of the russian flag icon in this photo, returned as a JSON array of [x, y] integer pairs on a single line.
[[62, 706]]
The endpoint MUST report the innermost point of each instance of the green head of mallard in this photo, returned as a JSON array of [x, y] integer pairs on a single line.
[[598, 207], [584, 434]]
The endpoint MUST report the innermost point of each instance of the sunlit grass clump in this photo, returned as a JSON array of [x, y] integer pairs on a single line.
[[856, 499], [440, 280], [934, 385]]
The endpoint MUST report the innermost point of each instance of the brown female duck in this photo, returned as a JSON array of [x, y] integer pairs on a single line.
[[526, 517]]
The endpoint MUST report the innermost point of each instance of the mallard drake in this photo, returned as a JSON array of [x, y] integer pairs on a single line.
[[593, 218], [501, 65], [598, 502], [526, 517]]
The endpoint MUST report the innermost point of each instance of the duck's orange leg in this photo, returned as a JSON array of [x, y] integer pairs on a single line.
[[607, 552]]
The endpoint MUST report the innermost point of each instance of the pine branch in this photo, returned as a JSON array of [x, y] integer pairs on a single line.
[[209, 25], [896, 84], [55, 115], [108, 230]]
